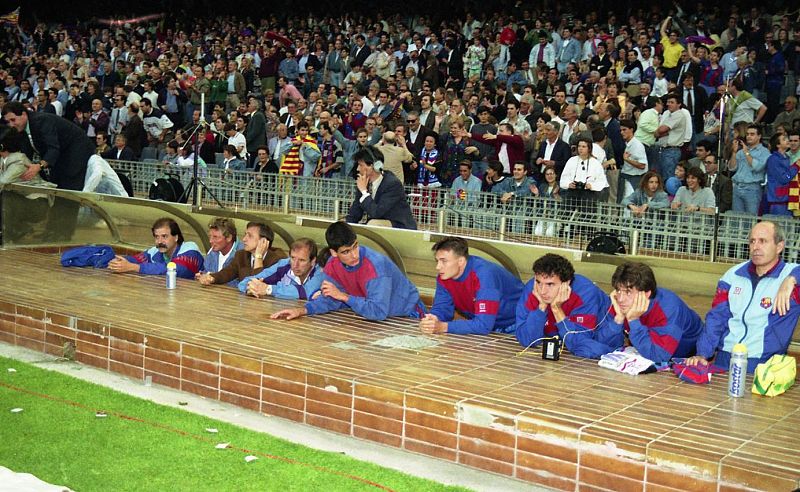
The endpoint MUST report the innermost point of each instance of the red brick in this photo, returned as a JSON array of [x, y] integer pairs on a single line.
[[30, 312], [9, 327], [545, 479], [615, 466], [127, 335], [84, 358], [486, 449], [84, 325], [344, 414], [92, 349], [240, 375], [428, 405], [332, 397], [429, 449], [379, 395], [163, 355], [595, 478], [130, 347], [284, 386], [30, 344], [158, 367], [379, 437], [204, 378], [239, 401], [202, 353], [283, 412], [164, 344], [126, 370], [549, 465], [390, 426], [62, 331], [164, 380], [280, 372], [677, 479], [92, 338], [246, 390], [431, 421], [486, 464], [127, 358], [31, 333], [426, 434], [199, 389], [61, 320], [283, 399], [495, 436], [247, 364], [34, 324], [330, 424], [199, 365], [382, 409]]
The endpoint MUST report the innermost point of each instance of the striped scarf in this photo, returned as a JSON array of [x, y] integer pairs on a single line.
[[292, 164], [424, 176]]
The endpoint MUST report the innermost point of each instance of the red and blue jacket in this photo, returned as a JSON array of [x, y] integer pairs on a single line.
[[377, 288], [485, 294], [741, 312], [187, 258], [587, 306], [669, 328], [780, 172]]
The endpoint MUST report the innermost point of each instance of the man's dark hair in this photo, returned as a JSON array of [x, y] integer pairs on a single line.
[[11, 140], [231, 150], [174, 228], [497, 166], [15, 107], [635, 275], [369, 154], [340, 234], [699, 174], [264, 231], [552, 264], [628, 124], [304, 242], [706, 144], [753, 126], [457, 245]]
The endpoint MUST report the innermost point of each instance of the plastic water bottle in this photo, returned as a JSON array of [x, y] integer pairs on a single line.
[[172, 275], [737, 370]]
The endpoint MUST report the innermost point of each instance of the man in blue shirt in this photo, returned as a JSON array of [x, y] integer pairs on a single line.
[[750, 166], [296, 277]]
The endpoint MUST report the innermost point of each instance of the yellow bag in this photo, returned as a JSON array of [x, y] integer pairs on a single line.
[[775, 376]]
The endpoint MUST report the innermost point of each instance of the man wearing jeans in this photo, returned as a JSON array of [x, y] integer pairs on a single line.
[[750, 169], [670, 135]]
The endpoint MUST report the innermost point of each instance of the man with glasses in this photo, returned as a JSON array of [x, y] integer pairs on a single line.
[[720, 184], [361, 279]]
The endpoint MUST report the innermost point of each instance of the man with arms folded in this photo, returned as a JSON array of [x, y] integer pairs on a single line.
[[296, 277], [559, 302], [482, 292], [655, 320], [747, 307], [170, 247], [360, 278], [256, 255]]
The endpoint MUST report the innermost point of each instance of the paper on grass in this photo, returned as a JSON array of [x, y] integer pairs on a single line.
[[223, 445], [250, 458], [16, 410], [211, 430], [11, 369]]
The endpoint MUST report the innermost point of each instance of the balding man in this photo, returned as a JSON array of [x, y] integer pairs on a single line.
[[395, 154]]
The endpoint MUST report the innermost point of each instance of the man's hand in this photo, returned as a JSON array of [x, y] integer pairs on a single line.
[[204, 278], [538, 295], [289, 313], [430, 324], [563, 294], [257, 288], [534, 190], [261, 247], [696, 360], [619, 318], [31, 172], [121, 265], [361, 183], [507, 196], [783, 301], [640, 306], [329, 289]]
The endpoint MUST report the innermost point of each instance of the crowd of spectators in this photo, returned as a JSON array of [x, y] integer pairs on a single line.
[[578, 105]]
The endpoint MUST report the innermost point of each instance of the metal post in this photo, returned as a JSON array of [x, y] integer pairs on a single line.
[[336, 204], [715, 236], [502, 231], [635, 242], [440, 220]]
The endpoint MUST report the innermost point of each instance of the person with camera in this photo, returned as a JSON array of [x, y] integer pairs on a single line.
[[583, 177]]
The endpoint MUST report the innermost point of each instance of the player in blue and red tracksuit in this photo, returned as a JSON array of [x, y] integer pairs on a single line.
[[170, 247], [361, 279], [557, 302], [657, 322], [744, 308], [482, 292]]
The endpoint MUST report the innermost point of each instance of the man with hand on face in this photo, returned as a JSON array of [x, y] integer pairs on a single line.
[[653, 319], [170, 247], [296, 277], [557, 302], [256, 255], [359, 278], [482, 292]]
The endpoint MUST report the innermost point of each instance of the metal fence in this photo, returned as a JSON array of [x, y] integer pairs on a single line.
[[542, 221]]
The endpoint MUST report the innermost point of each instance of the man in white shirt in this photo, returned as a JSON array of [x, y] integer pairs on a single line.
[[634, 160], [671, 135], [236, 139]]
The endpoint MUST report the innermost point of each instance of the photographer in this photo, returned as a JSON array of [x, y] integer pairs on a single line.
[[583, 177]]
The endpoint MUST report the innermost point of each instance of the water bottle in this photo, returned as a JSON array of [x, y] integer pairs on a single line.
[[737, 370], [172, 275]]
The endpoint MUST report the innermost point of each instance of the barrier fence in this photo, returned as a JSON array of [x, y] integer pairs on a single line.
[[532, 220]]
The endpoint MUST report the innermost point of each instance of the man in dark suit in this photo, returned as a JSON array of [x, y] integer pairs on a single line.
[[380, 194], [61, 148], [554, 153], [720, 184], [685, 66], [256, 132], [694, 100], [360, 52], [415, 141], [120, 151]]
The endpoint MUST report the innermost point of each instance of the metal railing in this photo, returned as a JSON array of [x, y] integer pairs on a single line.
[[531, 220]]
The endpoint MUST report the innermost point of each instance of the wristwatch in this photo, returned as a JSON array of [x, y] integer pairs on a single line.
[[269, 290]]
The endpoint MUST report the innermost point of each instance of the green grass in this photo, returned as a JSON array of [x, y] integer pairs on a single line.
[[144, 446]]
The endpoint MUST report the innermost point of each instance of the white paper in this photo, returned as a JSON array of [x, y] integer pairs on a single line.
[[11, 369], [250, 458], [101, 415], [223, 445], [212, 430], [16, 410]]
